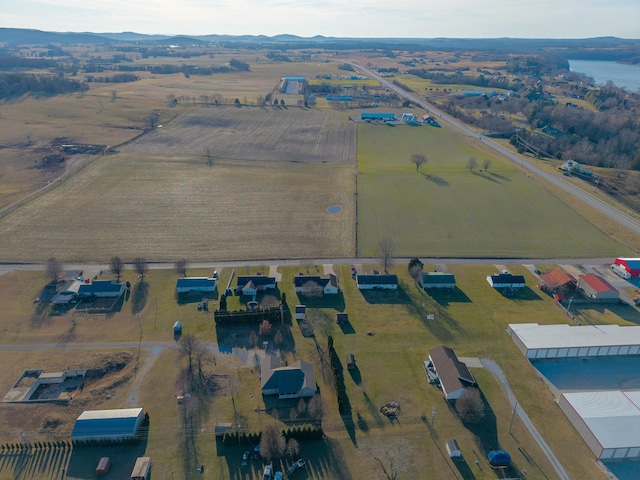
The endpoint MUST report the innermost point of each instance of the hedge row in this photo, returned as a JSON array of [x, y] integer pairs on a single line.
[[300, 433]]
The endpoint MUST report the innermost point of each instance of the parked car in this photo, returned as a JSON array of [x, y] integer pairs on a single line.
[[277, 476], [256, 453], [268, 472], [296, 467], [245, 458]]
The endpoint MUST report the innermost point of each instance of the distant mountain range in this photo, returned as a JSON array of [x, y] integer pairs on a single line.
[[602, 47]]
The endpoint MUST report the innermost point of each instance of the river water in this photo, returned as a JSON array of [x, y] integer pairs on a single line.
[[622, 75]]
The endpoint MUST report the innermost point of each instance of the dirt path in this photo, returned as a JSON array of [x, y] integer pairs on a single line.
[[133, 399], [497, 372]]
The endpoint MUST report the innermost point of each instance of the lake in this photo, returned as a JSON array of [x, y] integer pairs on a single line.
[[620, 74]]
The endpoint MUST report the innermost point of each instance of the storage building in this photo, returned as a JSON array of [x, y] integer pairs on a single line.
[[141, 469], [597, 288], [608, 421], [560, 341], [114, 425], [195, 284]]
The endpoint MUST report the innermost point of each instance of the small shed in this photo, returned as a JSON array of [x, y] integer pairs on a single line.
[[177, 328], [141, 469], [301, 312], [453, 449], [104, 465], [351, 361], [342, 318]]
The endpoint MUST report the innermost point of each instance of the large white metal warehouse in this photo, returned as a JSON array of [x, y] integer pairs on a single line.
[[117, 424], [608, 421], [560, 341]]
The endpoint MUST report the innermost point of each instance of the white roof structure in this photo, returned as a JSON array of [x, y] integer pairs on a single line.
[[609, 421], [559, 341]]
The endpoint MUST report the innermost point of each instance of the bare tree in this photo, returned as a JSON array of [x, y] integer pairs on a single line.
[[314, 408], [273, 445], [188, 347], [181, 267], [393, 457], [269, 301], [472, 163], [470, 406], [141, 267], [386, 252], [293, 448], [486, 164], [311, 289], [54, 269], [265, 327], [418, 160], [116, 265]]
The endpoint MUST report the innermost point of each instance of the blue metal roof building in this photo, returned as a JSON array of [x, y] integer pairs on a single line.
[[294, 78], [377, 116], [115, 424], [339, 98]]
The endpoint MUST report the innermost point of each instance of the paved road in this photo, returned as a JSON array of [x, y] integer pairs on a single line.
[[556, 180], [497, 372]]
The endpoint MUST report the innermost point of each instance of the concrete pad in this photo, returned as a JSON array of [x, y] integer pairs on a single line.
[[273, 272], [327, 268], [471, 362]]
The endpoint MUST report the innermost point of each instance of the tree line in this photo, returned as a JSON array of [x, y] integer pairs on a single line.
[[18, 84]]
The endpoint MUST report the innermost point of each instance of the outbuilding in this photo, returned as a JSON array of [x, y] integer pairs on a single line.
[[301, 312], [114, 425], [177, 328], [351, 362], [597, 288], [104, 465], [453, 449], [195, 284], [141, 469]]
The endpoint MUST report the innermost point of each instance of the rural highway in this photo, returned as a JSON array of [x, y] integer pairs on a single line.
[[556, 180]]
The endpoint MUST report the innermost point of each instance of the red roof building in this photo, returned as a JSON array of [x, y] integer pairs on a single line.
[[631, 265], [597, 288], [557, 280]]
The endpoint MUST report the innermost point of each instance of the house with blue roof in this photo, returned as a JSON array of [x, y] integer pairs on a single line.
[[101, 288], [195, 284]]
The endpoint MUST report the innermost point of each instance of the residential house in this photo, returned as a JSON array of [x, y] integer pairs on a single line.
[[376, 281], [101, 288], [506, 281], [438, 280], [196, 284], [328, 283], [292, 381], [557, 281], [453, 374], [253, 284]]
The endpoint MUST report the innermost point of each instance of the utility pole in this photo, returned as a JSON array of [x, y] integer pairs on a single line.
[[513, 414]]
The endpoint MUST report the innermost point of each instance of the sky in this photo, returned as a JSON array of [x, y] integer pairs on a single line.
[[337, 18]]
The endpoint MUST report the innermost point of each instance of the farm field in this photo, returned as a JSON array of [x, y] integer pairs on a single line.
[[472, 321], [197, 185], [445, 209]]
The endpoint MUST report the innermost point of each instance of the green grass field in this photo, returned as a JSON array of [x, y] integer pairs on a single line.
[[446, 210]]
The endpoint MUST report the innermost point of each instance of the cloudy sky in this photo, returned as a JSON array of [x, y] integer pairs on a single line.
[[341, 18]]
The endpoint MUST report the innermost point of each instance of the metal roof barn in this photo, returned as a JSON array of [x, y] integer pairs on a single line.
[[561, 341], [114, 424], [608, 421]]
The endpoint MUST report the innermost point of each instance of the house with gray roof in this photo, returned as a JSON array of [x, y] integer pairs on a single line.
[[328, 283], [291, 381], [195, 284], [377, 281], [453, 374], [438, 280], [253, 284]]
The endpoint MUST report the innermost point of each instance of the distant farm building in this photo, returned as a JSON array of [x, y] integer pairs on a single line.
[[328, 283], [627, 267], [429, 120], [453, 374], [292, 84], [101, 288], [438, 280], [112, 425], [195, 284], [292, 381], [561, 341], [377, 281], [608, 421], [377, 116], [597, 288]]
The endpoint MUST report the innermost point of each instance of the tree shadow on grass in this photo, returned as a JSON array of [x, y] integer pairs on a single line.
[[525, 293], [139, 297], [84, 460], [501, 177], [622, 310], [485, 431], [435, 179], [481, 174], [446, 296], [463, 469]]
